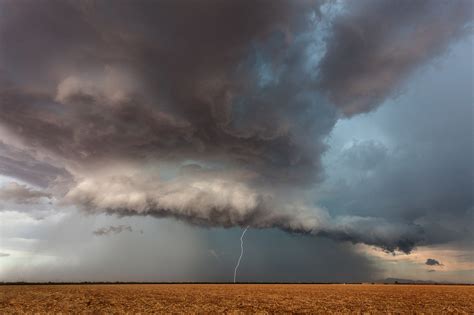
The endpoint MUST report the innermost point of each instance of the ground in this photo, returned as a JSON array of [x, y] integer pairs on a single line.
[[236, 298]]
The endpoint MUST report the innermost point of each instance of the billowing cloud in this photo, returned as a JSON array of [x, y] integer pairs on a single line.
[[112, 230], [213, 200], [22, 194], [214, 113], [377, 44]]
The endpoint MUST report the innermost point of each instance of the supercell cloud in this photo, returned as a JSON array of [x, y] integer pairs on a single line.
[[212, 112]]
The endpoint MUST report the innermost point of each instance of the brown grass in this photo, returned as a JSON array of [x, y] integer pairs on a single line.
[[240, 298]]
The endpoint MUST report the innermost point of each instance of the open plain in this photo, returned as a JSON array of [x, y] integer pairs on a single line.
[[230, 298]]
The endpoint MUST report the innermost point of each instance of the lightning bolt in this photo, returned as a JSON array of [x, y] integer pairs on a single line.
[[241, 252]]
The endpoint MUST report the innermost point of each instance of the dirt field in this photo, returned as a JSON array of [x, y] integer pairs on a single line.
[[261, 298]]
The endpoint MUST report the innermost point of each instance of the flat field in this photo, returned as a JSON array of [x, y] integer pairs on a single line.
[[239, 298]]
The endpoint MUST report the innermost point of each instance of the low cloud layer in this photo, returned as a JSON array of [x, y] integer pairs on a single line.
[[214, 113], [104, 231], [432, 262]]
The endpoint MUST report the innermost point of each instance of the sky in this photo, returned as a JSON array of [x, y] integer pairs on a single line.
[[138, 139]]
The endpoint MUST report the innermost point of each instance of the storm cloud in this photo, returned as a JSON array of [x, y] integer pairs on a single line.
[[212, 112], [377, 44], [21, 194], [103, 231]]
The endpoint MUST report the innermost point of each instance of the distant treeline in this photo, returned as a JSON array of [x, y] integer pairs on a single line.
[[229, 283]]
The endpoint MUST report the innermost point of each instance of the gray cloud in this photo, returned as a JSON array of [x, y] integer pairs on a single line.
[[4, 254], [121, 96], [364, 155], [424, 174], [200, 104], [377, 44], [24, 165], [21, 194], [112, 230], [212, 200], [432, 262]]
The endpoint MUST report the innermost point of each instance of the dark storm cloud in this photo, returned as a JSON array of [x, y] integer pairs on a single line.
[[196, 71], [425, 173], [23, 165], [112, 230], [432, 262], [378, 43], [213, 200], [22, 194], [112, 91]]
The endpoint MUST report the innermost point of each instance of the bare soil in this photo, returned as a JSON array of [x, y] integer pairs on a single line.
[[238, 298]]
